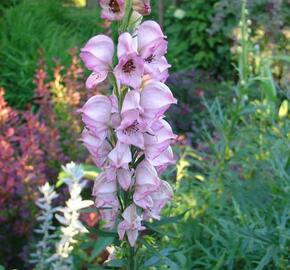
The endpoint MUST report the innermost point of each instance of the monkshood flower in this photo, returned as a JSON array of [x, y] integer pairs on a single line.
[[126, 133], [69, 217], [113, 10], [131, 225], [141, 58], [46, 229], [97, 56]]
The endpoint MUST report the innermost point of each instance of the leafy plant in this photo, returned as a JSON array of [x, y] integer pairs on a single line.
[[29, 26]]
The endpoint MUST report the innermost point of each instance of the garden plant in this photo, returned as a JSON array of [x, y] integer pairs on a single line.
[[138, 134]]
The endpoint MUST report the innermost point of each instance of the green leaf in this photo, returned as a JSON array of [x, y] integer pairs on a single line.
[[220, 262], [116, 263], [100, 245], [168, 220], [267, 258], [2, 267], [160, 257]]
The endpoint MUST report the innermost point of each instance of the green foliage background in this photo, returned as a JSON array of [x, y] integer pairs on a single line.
[[31, 25]]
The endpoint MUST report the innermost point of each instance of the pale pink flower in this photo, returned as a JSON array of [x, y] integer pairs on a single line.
[[157, 69], [113, 10], [98, 148], [142, 6], [106, 199], [163, 160], [130, 68], [155, 99], [120, 155], [132, 127], [147, 182], [96, 115], [105, 192], [152, 46], [131, 225], [97, 56], [159, 141], [123, 176], [160, 198]]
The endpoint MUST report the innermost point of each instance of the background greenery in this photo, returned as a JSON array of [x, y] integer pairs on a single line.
[[232, 176]]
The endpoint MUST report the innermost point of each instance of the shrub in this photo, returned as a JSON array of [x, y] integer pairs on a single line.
[[28, 147]]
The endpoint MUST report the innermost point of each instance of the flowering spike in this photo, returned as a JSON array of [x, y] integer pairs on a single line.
[[126, 133]]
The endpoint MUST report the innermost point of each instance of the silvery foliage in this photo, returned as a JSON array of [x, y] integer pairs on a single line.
[[44, 246], [69, 217]]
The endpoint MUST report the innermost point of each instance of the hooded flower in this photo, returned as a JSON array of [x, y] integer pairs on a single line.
[[106, 200], [105, 193], [159, 141], [118, 169], [120, 156], [96, 115], [142, 6], [113, 10], [97, 56], [162, 196], [131, 225], [130, 68], [98, 148], [155, 99], [163, 160], [152, 46], [147, 182], [132, 127]]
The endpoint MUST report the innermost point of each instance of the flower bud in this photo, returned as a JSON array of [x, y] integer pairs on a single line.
[[142, 6]]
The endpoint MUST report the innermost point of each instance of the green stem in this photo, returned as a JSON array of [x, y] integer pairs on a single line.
[[131, 259]]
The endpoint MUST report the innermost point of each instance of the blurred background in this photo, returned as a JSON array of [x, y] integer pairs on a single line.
[[232, 173]]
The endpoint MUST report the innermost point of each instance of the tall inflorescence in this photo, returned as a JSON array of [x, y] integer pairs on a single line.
[[126, 132]]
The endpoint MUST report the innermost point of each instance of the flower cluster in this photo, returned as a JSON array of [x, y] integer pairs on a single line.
[[126, 133]]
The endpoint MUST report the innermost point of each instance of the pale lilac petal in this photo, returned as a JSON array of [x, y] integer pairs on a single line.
[[96, 113], [132, 237], [126, 45], [151, 40], [98, 53], [146, 174], [165, 158], [120, 155], [95, 78], [156, 98], [124, 178], [122, 227], [131, 102], [142, 199], [134, 138], [129, 70], [101, 185]]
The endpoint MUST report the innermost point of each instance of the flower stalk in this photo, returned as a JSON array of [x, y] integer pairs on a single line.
[[126, 132]]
